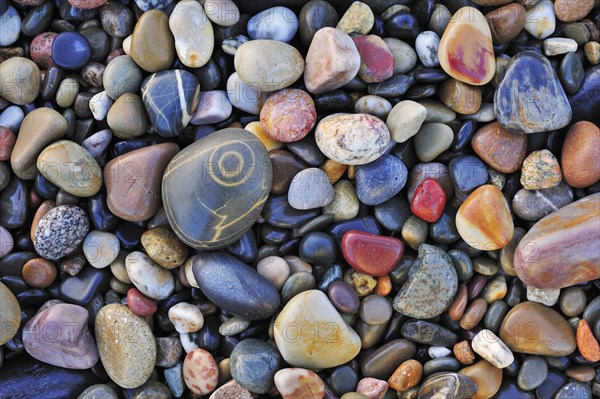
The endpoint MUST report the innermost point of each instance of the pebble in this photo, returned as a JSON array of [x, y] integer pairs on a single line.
[[152, 280], [371, 254], [254, 364], [465, 49], [186, 318], [506, 22], [66, 93], [140, 304], [71, 50], [572, 301], [536, 106], [428, 201], [378, 181], [569, 264], [405, 120], [6, 242], [232, 390], [484, 221], [493, 349], [580, 166], [193, 33], [487, 377], [128, 362], [168, 351], [586, 342], [99, 105], [288, 115], [540, 171], [152, 44], [574, 390], [300, 312], [357, 20], [460, 97], [405, 57], [414, 231], [533, 328], [12, 117], [406, 376], [403, 25], [310, 189], [345, 205], [99, 391], [372, 388], [540, 21], [116, 19], [431, 140], [100, 248], [315, 15], [294, 383], [463, 352], [568, 11], [332, 61], [70, 167], [559, 45], [277, 23], [200, 372], [499, 148], [583, 102], [548, 296], [268, 65], [22, 80], [393, 213], [121, 76], [592, 52], [222, 12], [427, 44], [47, 338], [245, 97], [10, 317], [374, 105], [213, 107], [164, 248], [431, 285], [11, 26], [451, 385], [533, 373], [377, 62], [127, 117], [60, 231]]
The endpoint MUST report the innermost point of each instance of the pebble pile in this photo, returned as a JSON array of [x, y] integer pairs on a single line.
[[297, 199]]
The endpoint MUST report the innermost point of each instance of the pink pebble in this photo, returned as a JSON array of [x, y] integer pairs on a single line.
[[376, 59], [200, 372], [140, 304], [288, 115], [41, 49], [372, 387]]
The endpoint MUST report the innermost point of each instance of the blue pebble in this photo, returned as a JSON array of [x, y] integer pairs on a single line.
[[467, 173], [380, 180], [277, 23], [71, 50]]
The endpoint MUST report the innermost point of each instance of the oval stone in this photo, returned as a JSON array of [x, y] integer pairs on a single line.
[[579, 160], [200, 372], [10, 314], [562, 249], [499, 148], [213, 190], [20, 80], [193, 32], [148, 277], [371, 254], [152, 44], [60, 231]]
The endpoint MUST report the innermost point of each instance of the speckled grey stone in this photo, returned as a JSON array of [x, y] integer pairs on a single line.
[[254, 364], [60, 231]]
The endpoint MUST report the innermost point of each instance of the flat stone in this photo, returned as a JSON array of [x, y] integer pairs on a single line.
[[431, 140], [559, 45], [310, 189], [499, 148], [465, 49], [193, 33], [213, 107], [544, 23], [580, 165], [572, 301], [506, 22], [10, 314], [586, 342], [533, 328], [431, 285], [133, 181], [11, 26], [533, 373], [288, 115], [377, 62], [190, 207], [254, 364], [60, 231], [308, 308], [128, 362], [200, 372], [460, 97], [296, 382], [533, 205], [405, 120], [487, 377], [332, 61], [380, 180], [537, 101], [140, 304], [484, 221], [148, 277], [371, 254], [152, 44], [541, 264], [70, 345], [70, 167], [276, 23]]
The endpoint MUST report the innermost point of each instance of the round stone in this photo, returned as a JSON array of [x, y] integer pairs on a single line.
[[71, 50], [121, 76], [277, 23], [533, 205], [460, 97], [427, 44], [487, 377], [343, 297], [274, 269], [186, 318], [21, 80], [200, 372], [374, 105], [222, 12], [213, 107], [569, 11], [533, 373], [352, 139], [540, 170], [39, 272], [572, 301], [140, 304], [127, 117], [233, 177], [60, 231], [580, 164], [164, 247], [288, 115], [380, 180], [345, 205], [406, 376], [431, 140], [100, 248], [254, 364], [193, 33], [405, 120], [116, 19], [41, 49], [148, 277], [405, 57]]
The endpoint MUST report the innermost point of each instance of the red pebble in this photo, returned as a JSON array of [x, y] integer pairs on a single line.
[[7, 142], [371, 254], [41, 49], [288, 115], [376, 59], [140, 304], [429, 200]]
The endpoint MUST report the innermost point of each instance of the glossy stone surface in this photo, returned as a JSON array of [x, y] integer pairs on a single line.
[[152, 44], [493, 349], [487, 377], [193, 33], [370, 254], [152, 280], [540, 263], [232, 175], [428, 201], [580, 165], [288, 115], [10, 314], [452, 385], [499, 148], [60, 231]]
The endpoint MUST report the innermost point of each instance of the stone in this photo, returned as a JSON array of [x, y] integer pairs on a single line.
[[428, 201], [268, 65], [70, 167], [222, 12], [499, 148], [164, 247], [345, 205], [6, 242], [315, 15], [193, 33], [540, 170], [310, 189], [186, 318], [133, 181], [540, 21], [569, 11], [431, 285], [99, 105], [21, 80], [140, 304], [530, 98], [380, 180], [592, 52], [371, 254], [431, 140], [372, 388], [121, 76], [168, 351], [583, 102], [60, 231], [293, 383], [405, 120], [506, 22], [247, 295], [200, 372], [152, 44], [427, 44], [337, 343], [288, 115], [100, 248], [406, 376], [463, 352], [332, 61], [460, 97], [10, 314], [580, 165], [357, 20], [7, 143], [11, 26], [338, 137], [533, 328], [232, 390], [128, 362], [540, 263], [274, 269], [559, 45], [586, 342], [487, 377], [374, 105], [254, 364], [246, 97], [376, 60], [572, 301], [574, 390], [382, 362], [99, 390], [465, 49], [533, 373], [403, 25], [127, 117], [451, 385], [405, 57], [149, 278], [116, 19], [60, 336], [170, 98], [213, 107], [71, 50], [491, 348], [484, 221], [276, 23], [548, 296]]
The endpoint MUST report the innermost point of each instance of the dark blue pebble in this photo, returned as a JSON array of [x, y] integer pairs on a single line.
[[430, 75], [14, 203], [44, 187], [80, 289], [406, 153], [33, 298], [343, 379], [15, 284], [443, 231], [12, 264], [586, 102], [307, 150], [129, 234], [100, 215], [254, 364], [464, 135], [467, 173], [422, 91], [571, 73], [335, 101], [399, 275], [246, 248], [289, 247], [318, 248], [380, 180], [403, 25], [208, 75], [510, 390], [333, 273], [274, 235], [73, 14], [422, 10], [367, 224], [71, 50], [393, 213], [395, 86], [277, 212]]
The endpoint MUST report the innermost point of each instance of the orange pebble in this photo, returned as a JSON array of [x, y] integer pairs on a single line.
[[406, 376], [384, 285], [587, 343], [464, 353]]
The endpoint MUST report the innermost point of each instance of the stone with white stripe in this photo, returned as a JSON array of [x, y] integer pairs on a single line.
[[532, 205], [170, 98]]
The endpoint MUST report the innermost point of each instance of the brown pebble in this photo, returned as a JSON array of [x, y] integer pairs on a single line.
[[473, 314], [459, 305], [586, 342], [499, 148], [460, 97], [506, 22], [7, 142], [334, 170], [463, 353], [580, 160], [39, 272], [581, 373], [572, 10], [406, 376], [73, 264]]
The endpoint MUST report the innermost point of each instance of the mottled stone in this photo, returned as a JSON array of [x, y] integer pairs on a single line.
[[499, 148], [586, 342], [540, 170], [213, 107], [60, 231], [232, 390], [193, 33], [580, 162], [357, 20], [164, 247], [288, 115], [200, 372], [295, 383], [570, 11], [377, 62], [447, 385], [460, 97]]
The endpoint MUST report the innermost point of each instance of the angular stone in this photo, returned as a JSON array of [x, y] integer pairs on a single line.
[[193, 33], [357, 20], [499, 148], [540, 20], [579, 160], [377, 62], [542, 263], [152, 44], [337, 342]]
